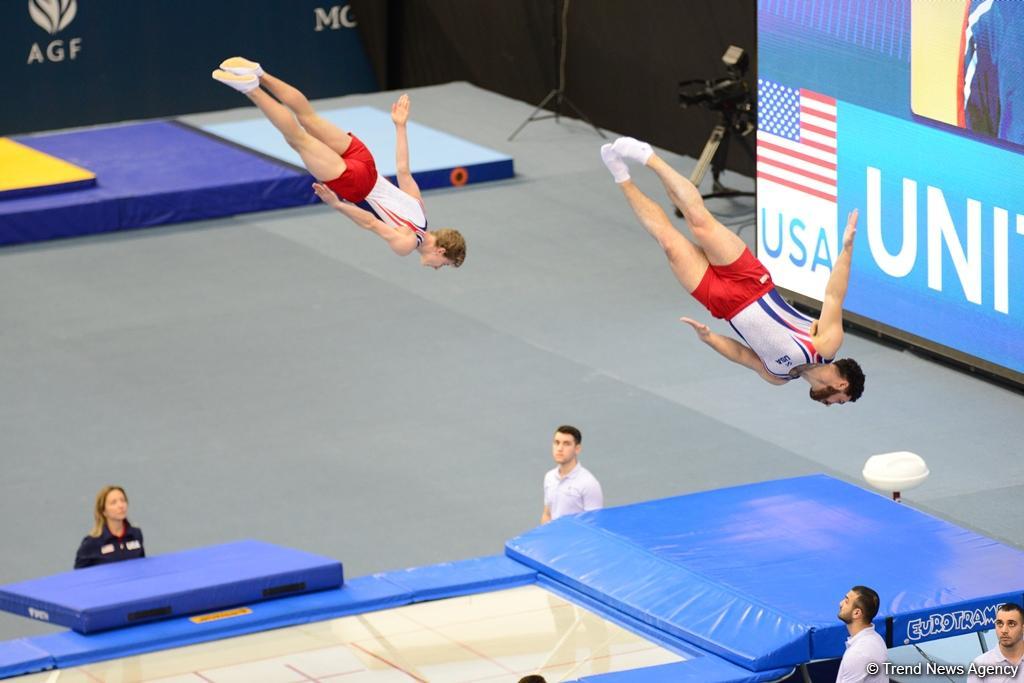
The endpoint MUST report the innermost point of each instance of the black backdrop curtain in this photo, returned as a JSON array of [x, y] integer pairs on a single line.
[[625, 59]]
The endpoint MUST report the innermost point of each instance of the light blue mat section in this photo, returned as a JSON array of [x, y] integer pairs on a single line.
[[429, 149]]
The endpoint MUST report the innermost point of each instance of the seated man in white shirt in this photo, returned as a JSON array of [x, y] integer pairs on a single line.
[[1002, 663], [569, 488], [866, 654]]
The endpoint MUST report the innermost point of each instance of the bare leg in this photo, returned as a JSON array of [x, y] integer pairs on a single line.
[[720, 244], [322, 129], [688, 262], [320, 160]]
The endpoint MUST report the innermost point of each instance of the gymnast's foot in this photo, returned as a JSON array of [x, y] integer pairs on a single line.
[[616, 166], [632, 149], [240, 66], [239, 83]]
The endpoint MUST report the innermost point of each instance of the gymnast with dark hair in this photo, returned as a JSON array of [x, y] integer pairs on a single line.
[[719, 271]]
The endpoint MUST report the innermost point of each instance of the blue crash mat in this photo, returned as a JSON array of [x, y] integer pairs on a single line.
[[135, 591], [697, 666], [436, 158], [149, 174], [755, 573]]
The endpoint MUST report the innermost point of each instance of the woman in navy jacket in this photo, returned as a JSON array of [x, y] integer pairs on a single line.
[[112, 538]]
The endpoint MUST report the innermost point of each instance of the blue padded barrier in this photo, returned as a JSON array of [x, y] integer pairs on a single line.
[[363, 594], [947, 621], [452, 579], [755, 573], [21, 656], [668, 597], [701, 670], [698, 667], [126, 593], [355, 597]]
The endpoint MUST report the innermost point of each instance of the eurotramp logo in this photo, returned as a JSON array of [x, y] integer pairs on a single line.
[[53, 16], [958, 621]]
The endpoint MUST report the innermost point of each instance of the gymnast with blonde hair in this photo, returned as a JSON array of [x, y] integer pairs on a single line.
[[112, 538], [345, 170]]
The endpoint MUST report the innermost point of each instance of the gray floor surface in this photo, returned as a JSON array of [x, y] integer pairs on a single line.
[[283, 376]]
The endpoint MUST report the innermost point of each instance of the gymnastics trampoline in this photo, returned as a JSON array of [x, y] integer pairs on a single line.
[[485, 637], [725, 586]]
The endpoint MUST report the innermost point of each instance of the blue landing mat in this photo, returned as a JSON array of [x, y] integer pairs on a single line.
[[198, 580], [755, 573], [433, 155], [149, 174]]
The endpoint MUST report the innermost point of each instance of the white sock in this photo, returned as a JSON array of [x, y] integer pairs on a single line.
[[633, 149], [615, 164], [241, 66], [239, 83]]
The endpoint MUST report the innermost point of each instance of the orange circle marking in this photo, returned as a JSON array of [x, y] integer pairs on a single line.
[[459, 177]]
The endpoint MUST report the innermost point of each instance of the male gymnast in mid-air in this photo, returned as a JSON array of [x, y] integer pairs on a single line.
[[721, 273], [345, 169]]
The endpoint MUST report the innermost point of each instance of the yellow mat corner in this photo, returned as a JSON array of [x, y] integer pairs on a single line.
[[23, 168]]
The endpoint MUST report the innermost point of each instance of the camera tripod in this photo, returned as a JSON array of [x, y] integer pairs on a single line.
[[558, 94], [714, 154]]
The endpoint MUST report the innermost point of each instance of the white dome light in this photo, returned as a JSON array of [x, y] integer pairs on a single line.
[[895, 472]]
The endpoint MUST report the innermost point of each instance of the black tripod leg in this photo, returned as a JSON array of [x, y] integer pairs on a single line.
[[712, 148], [532, 116], [718, 162], [583, 116]]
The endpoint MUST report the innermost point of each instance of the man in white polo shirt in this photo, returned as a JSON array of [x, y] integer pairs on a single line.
[[1002, 663], [866, 654], [569, 488]]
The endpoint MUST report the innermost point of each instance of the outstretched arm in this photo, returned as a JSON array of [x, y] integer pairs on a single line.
[[829, 334], [401, 240], [400, 116], [733, 350]]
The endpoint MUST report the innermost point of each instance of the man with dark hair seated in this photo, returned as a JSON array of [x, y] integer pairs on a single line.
[[866, 654]]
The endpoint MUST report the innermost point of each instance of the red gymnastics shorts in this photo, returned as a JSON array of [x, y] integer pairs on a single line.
[[727, 290], [359, 176]]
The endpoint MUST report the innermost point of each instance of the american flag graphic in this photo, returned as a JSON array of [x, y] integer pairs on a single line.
[[796, 139]]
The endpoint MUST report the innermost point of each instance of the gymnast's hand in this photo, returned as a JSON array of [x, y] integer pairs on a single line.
[[326, 195], [400, 110], [851, 230], [702, 330]]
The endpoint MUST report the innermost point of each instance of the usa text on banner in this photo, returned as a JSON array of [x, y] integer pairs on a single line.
[[797, 171]]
